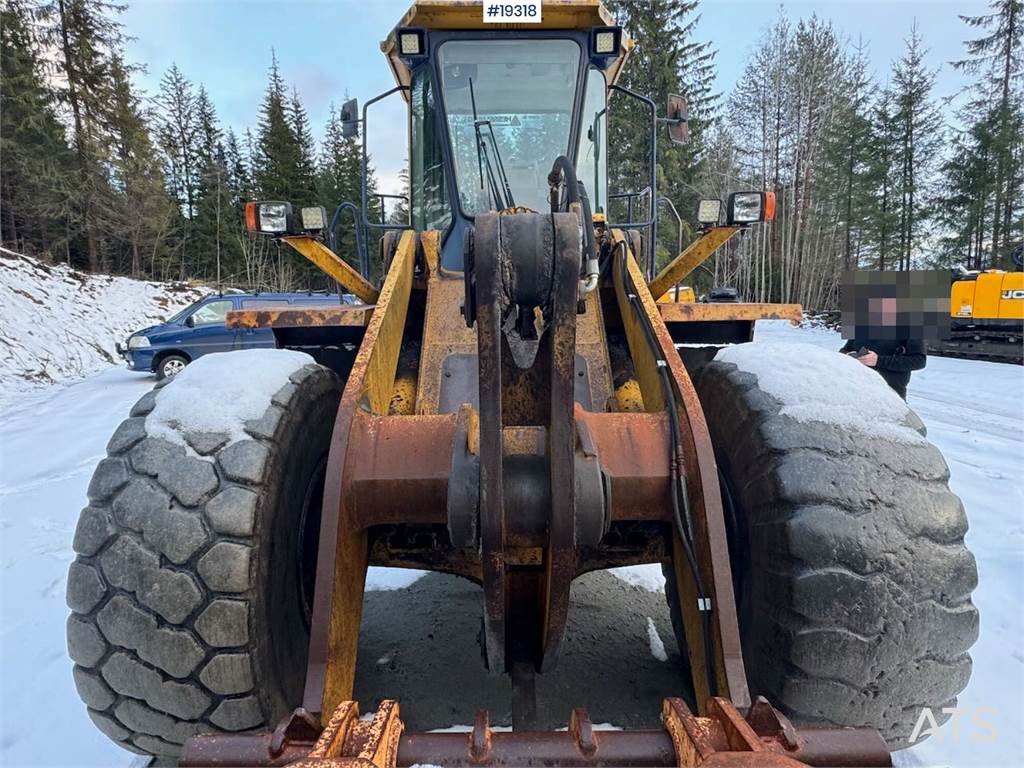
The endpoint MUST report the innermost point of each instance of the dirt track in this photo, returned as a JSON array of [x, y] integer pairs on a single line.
[[420, 645]]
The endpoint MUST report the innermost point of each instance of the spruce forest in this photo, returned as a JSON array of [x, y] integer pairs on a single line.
[[871, 168]]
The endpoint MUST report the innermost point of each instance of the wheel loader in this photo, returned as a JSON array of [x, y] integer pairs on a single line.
[[512, 406]]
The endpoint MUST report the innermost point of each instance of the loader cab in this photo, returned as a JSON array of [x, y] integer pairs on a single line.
[[491, 110]]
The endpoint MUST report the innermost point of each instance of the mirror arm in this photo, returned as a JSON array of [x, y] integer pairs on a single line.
[[652, 216]]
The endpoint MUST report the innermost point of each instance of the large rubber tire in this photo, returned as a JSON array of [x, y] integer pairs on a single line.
[[853, 581], [188, 614]]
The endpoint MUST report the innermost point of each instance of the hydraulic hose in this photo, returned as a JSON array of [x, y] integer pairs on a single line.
[[576, 193], [681, 511]]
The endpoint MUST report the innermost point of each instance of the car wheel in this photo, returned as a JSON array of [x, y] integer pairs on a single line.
[[171, 366]]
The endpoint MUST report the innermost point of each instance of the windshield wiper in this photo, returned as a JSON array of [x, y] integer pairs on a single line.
[[501, 201]]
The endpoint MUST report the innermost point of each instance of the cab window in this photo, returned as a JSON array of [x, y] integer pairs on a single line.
[[509, 106], [592, 159], [430, 208], [214, 312]]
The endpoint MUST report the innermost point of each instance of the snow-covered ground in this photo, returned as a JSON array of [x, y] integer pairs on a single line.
[[58, 324], [51, 439]]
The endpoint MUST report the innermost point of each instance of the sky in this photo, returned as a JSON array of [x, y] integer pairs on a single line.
[[329, 50]]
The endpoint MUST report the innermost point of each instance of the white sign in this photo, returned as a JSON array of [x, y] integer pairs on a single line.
[[519, 12]]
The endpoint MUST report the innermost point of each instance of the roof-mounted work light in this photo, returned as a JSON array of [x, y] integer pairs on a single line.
[[604, 45], [412, 43]]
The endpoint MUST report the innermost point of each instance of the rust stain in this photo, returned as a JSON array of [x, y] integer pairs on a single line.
[[357, 316], [685, 312]]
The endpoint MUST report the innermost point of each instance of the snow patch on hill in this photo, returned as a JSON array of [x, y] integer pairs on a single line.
[[58, 324]]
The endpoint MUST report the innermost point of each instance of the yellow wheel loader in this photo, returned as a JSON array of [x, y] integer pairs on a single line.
[[513, 406]]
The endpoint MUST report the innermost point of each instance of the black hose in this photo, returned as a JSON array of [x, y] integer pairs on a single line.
[[680, 498], [575, 193]]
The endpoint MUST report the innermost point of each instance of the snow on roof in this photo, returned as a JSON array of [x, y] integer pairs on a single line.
[[210, 396], [815, 384]]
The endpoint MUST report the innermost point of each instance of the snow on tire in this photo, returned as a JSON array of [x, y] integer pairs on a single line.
[[198, 501], [853, 580]]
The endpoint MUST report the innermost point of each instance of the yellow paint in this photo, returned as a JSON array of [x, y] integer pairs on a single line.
[[639, 349], [628, 397], [328, 261], [692, 257], [1011, 305], [403, 399], [992, 295], [392, 307], [680, 294]]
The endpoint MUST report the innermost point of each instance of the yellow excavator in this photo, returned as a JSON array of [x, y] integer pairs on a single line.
[[986, 317]]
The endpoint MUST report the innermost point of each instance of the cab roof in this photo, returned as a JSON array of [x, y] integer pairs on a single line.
[[468, 15]]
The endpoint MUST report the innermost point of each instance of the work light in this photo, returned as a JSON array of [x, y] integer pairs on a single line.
[[412, 43], [749, 207], [274, 217], [709, 211], [604, 45], [606, 40], [314, 218], [270, 218]]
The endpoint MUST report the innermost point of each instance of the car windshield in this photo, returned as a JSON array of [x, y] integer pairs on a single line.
[[185, 312], [524, 92]]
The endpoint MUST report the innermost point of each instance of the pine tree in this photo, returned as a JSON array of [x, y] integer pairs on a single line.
[[217, 211], [37, 202], [85, 34], [178, 137], [996, 117], [920, 136], [305, 191], [278, 150], [138, 211]]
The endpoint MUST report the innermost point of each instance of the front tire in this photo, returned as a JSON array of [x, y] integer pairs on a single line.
[[171, 366], [853, 581], [188, 611]]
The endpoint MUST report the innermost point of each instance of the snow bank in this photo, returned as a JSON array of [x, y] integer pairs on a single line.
[[817, 384], [649, 576], [58, 324], [210, 396], [382, 579]]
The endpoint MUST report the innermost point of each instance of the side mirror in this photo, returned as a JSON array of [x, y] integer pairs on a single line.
[[677, 115], [190, 321], [350, 118]]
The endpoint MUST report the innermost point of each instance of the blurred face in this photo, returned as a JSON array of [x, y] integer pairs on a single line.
[[895, 305], [882, 311]]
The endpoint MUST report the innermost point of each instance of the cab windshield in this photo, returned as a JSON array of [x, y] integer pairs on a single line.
[[523, 92]]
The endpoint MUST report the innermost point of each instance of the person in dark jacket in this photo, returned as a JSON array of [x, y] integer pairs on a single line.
[[893, 359]]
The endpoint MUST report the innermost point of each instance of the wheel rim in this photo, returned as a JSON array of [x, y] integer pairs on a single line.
[[173, 367]]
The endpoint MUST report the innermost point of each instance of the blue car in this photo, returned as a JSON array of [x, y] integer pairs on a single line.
[[199, 329]]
